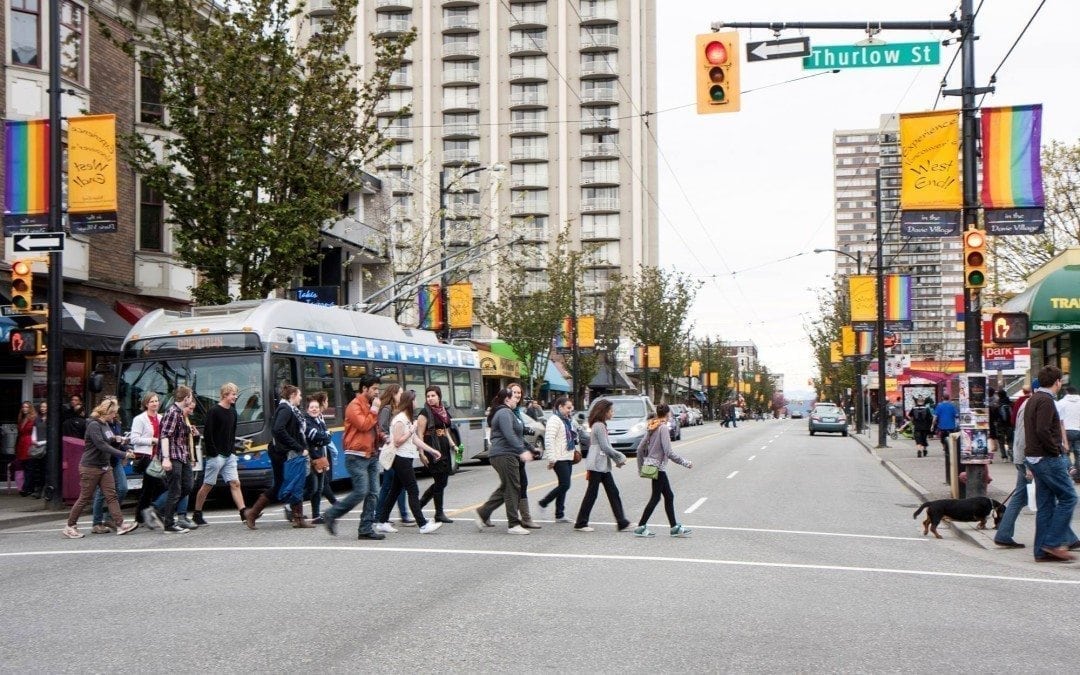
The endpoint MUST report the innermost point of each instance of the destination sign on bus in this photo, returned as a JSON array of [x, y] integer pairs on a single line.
[[328, 344], [217, 342]]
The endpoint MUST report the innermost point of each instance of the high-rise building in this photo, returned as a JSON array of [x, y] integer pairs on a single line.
[[935, 264], [543, 105]]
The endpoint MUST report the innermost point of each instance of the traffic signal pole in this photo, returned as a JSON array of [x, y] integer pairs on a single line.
[[55, 358]]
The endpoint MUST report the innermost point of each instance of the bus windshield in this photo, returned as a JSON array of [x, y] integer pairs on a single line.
[[204, 375]]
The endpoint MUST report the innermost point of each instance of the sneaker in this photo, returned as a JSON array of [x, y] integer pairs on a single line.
[[175, 529], [110, 525], [482, 522], [127, 527], [318, 520], [563, 519], [430, 527], [543, 510], [198, 519], [680, 531], [331, 526], [72, 532], [385, 528], [186, 524], [407, 523], [584, 529], [371, 535], [643, 531], [99, 529], [517, 529], [151, 518]]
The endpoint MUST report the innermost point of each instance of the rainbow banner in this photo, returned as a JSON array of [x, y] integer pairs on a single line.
[[562, 336], [429, 307], [1011, 167], [26, 175], [897, 297]]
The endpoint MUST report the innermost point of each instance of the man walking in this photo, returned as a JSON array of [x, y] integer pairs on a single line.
[[945, 422], [361, 459], [176, 457], [921, 422], [219, 442], [1045, 455], [1069, 409]]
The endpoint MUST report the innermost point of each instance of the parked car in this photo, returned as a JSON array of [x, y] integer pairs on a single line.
[[628, 425], [696, 418], [680, 413], [828, 417]]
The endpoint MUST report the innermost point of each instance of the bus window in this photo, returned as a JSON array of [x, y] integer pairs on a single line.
[[414, 381], [386, 374], [350, 378], [463, 397], [319, 376], [282, 371], [439, 376]]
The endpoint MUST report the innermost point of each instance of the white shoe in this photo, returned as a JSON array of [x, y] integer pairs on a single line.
[[544, 510], [127, 527], [385, 528], [517, 529], [584, 529], [563, 520], [431, 526], [151, 519], [72, 532]]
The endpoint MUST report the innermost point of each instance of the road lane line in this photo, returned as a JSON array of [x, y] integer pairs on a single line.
[[695, 505], [363, 549], [764, 447], [751, 458], [732, 474]]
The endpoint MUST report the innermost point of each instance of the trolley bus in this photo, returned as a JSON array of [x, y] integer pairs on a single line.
[[260, 345]]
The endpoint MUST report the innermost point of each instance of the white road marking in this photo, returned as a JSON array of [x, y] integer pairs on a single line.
[[695, 505], [732, 474], [751, 458], [764, 447], [376, 550]]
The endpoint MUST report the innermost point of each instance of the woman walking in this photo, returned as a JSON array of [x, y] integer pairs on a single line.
[[506, 453], [318, 443], [391, 397], [523, 475], [655, 451], [144, 438], [560, 442], [434, 425], [95, 470], [407, 447], [327, 490], [39, 451], [598, 465], [25, 439], [288, 442]]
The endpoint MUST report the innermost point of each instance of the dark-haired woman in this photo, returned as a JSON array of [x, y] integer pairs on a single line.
[[655, 450], [318, 442], [407, 448], [390, 397], [560, 442], [598, 465], [289, 442], [506, 453], [434, 425]]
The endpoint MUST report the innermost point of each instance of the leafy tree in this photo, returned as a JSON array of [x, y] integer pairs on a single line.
[[261, 136], [833, 379], [710, 352]]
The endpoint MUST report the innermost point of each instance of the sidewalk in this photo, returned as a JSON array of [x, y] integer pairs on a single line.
[[925, 476], [16, 511]]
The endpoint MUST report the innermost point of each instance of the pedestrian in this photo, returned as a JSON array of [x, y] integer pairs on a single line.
[[144, 438], [73, 420], [100, 524], [175, 448], [182, 519], [362, 440], [435, 425], [290, 442], [945, 423], [390, 397], [1004, 424], [38, 452], [655, 450], [1069, 410], [534, 410], [318, 444], [560, 442], [327, 491], [1045, 450], [506, 452], [1025, 394], [23, 441], [219, 451], [408, 447], [598, 469], [1018, 500], [523, 475], [95, 470], [922, 420]]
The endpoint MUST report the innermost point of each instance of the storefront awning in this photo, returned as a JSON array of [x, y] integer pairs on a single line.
[[555, 380], [1053, 304], [699, 396], [89, 323], [493, 365], [611, 379]]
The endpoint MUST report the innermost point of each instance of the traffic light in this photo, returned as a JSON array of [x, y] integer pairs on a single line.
[[28, 342], [974, 259], [22, 286], [1009, 328], [716, 72]]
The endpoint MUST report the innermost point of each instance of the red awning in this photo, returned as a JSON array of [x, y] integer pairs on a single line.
[[130, 311]]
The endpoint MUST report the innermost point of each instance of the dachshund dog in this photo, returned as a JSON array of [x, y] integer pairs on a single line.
[[961, 510]]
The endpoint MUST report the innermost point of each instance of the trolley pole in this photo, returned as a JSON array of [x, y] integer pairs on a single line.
[[54, 369]]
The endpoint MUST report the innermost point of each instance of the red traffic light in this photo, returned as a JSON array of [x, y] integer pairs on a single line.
[[716, 53]]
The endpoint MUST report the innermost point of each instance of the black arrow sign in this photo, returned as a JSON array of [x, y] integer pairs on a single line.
[[788, 48]]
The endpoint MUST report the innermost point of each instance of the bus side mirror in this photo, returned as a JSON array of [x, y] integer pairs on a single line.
[[97, 382]]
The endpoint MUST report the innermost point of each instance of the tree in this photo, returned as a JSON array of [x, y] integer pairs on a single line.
[[261, 136], [833, 379], [711, 354]]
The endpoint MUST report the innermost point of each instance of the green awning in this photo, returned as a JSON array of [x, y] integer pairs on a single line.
[[1052, 304], [500, 348]]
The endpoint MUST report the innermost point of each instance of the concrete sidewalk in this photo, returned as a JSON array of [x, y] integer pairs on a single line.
[[925, 476], [16, 511]]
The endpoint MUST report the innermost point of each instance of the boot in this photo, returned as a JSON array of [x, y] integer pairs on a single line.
[[298, 519], [526, 517], [440, 516], [254, 511]]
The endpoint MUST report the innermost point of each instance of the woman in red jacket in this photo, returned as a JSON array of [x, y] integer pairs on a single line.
[[23, 442]]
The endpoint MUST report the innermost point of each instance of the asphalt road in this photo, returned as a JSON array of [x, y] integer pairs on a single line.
[[804, 557]]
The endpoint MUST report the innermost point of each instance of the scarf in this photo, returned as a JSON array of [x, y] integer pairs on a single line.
[[571, 435], [299, 417], [440, 412], [655, 422]]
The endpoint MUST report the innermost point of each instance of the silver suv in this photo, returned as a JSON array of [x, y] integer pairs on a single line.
[[628, 425]]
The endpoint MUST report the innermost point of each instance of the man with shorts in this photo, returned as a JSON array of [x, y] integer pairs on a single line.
[[219, 442], [921, 421]]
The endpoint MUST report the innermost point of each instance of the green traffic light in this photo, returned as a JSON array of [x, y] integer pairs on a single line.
[[975, 279], [716, 93]]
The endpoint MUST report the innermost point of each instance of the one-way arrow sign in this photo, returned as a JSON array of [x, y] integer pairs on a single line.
[[39, 241], [788, 48]]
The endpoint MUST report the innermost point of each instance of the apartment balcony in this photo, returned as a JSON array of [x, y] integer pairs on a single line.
[[599, 150], [598, 69], [387, 107], [529, 46], [601, 234], [535, 180], [399, 185], [461, 24], [528, 99], [399, 80], [392, 4], [461, 50], [461, 76], [589, 123], [461, 130], [529, 207], [393, 160], [397, 133], [599, 42], [599, 177], [600, 95], [391, 27], [528, 18], [532, 232], [460, 232], [523, 74], [401, 213], [158, 275], [321, 8], [528, 127], [463, 210], [600, 205], [529, 153], [454, 157], [534, 287], [599, 14], [457, 104]]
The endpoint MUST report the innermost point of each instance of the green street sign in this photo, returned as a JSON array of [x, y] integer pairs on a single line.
[[829, 57]]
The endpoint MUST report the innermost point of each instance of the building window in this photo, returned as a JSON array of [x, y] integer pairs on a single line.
[[151, 110], [72, 19], [151, 218], [25, 33]]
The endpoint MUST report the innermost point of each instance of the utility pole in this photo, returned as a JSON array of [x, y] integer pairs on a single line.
[[575, 373], [708, 376], [879, 325], [55, 361]]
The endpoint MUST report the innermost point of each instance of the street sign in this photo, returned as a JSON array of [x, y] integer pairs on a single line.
[[771, 50], [829, 57], [39, 241]]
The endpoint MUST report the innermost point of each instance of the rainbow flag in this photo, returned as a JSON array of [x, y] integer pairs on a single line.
[[897, 297], [1011, 170], [562, 336], [26, 167], [429, 306]]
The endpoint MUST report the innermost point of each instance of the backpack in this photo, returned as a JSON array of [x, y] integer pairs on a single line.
[[921, 417]]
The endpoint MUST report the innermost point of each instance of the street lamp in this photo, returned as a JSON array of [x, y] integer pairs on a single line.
[[857, 257], [444, 280]]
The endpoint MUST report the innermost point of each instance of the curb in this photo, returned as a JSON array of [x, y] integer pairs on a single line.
[[32, 519]]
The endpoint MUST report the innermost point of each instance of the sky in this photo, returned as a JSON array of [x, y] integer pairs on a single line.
[[745, 197]]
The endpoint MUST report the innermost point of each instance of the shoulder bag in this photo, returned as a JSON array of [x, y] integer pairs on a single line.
[[577, 456], [649, 471]]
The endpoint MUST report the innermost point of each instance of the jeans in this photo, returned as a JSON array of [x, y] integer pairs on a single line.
[[179, 485], [596, 479], [163, 498], [660, 487], [403, 482], [1073, 438], [384, 494], [121, 492], [316, 484], [563, 470], [1056, 498], [364, 472], [33, 475], [90, 478], [509, 491], [1012, 510]]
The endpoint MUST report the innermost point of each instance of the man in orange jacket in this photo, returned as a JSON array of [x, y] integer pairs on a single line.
[[361, 459]]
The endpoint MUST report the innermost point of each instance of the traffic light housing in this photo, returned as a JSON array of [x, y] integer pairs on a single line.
[[716, 72], [28, 342], [974, 258], [1009, 328], [22, 286]]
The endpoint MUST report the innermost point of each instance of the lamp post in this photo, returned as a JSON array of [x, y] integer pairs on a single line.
[[444, 280], [859, 411], [857, 257]]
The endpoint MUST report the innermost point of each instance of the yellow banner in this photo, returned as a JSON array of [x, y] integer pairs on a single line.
[[91, 164], [695, 368], [862, 292], [848, 342], [586, 331], [930, 161], [712, 379], [460, 298], [836, 355]]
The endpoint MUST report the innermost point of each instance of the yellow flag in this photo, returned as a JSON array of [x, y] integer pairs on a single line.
[[460, 298], [862, 291], [930, 161], [586, 331], [91, 164], [847, 339]]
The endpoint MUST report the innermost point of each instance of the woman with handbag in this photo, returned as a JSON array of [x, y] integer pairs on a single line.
[[144, 438], [561, 453], [390, 397], [287, 442], [407, 446], [318, 443], [25, 425], [434, 425], [653, 454], [598, 468], [95, 470]]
